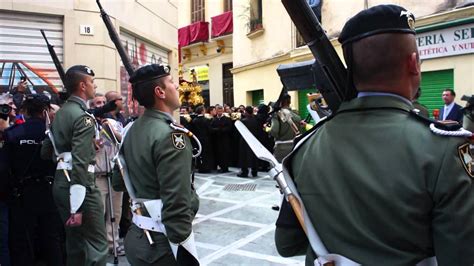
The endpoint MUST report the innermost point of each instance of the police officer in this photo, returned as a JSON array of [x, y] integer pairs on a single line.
[[75, 193], [380, 186], [285, 127], [158, 156], [33, 214]]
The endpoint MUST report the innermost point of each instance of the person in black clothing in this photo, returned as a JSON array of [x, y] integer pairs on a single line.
[[201, 127], [264, 138], [33, 214], [4, 172], [246, 156], [221, 128]]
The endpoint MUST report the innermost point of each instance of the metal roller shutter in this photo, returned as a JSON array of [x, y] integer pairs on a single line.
[[23, 51], [432, 85]]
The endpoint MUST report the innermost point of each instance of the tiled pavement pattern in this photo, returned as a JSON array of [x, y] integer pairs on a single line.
[[236, 227]]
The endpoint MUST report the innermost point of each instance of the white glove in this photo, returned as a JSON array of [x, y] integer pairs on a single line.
[[76, 197]]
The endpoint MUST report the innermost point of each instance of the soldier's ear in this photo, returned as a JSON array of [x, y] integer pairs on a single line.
[[414, 64], [159, 92]]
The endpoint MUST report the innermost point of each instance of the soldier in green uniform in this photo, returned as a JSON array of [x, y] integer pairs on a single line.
[[75, 193], [286, 125], [158, 156], [380, 185]]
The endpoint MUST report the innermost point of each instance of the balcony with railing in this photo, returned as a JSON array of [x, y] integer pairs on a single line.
[[222, 25]]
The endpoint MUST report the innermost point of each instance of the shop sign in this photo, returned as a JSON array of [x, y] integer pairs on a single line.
[[446, 42], [202, 72]]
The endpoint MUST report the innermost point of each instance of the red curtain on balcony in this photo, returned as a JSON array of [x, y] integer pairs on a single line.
[[183, 39], [222, 24], [199, 32], [183, 36]]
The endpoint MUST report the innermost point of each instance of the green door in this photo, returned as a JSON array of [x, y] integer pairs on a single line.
[[257, 97], [303, 102], [432, 86]]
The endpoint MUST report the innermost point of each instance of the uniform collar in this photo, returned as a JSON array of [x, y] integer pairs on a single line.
[[371, 93], [158, 114], [78, 100], [375, 101]]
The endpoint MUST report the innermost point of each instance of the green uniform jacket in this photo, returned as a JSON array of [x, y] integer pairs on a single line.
[[74, 130], [382, 189], [282, 130], [159, 165]]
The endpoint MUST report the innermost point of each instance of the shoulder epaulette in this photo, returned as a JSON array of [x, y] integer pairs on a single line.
[[453, 129]]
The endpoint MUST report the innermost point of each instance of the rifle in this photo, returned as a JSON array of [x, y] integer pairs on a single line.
[[62, 94], [328, 62], [276, 106], [116, 40]]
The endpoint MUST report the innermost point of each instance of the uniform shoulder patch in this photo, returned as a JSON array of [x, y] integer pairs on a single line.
[[88, 121], [464, 152], [178, 140]]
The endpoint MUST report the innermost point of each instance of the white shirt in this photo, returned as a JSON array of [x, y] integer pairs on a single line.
[[447, 109]]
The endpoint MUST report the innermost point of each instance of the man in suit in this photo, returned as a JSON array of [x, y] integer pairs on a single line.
[[221, 128], [450, 110], [246, 157]]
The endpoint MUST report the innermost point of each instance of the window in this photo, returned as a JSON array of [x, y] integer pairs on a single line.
[[256, 15], [299, 39], [316, 6], [197, 10], [227, 5]]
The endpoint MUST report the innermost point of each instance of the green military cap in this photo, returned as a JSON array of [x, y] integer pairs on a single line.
[[377, 20], [81, 69], [149, 72]]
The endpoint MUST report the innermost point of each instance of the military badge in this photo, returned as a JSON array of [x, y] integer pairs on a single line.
[[88, 122], [465, 156], [410, 20], [89, 70], [411, 23], [178, 140]]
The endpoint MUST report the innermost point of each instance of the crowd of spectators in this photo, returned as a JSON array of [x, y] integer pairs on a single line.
[[222, 145]]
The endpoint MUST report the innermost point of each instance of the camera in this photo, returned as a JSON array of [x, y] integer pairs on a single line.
[[5, 109]]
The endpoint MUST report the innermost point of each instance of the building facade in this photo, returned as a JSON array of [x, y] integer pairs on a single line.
[[205, 41], [147, 29], [445, 39]]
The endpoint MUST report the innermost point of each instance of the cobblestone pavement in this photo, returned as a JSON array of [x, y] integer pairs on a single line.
[[235, 224]]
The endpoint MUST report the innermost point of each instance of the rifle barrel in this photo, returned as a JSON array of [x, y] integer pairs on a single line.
[[55, 58], [116, 40], [313, 34]]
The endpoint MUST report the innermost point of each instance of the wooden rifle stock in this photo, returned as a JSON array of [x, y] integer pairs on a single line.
[[315, 37]]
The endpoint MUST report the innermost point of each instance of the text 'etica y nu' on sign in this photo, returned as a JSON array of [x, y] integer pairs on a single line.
[[446, 42]]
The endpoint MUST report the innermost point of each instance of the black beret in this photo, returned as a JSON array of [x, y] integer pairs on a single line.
[[377, 20], [80, 68], [37, 99], [149, 72]]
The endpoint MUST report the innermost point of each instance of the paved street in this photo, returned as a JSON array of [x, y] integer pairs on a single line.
[[235, 226]]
